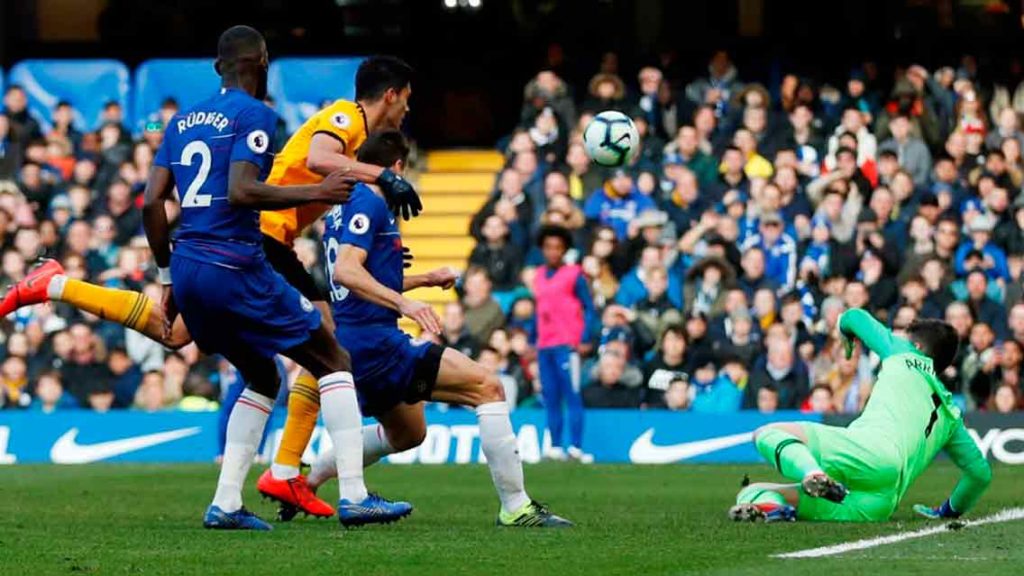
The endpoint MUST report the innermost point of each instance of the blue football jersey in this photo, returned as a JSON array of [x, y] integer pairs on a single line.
[[366, 222], [199, 147]]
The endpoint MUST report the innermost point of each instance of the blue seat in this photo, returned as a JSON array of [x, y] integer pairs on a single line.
[[301, 86], [87, 84], [187, 80]]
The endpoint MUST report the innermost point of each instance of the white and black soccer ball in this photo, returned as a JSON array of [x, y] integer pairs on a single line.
[[611, 139]]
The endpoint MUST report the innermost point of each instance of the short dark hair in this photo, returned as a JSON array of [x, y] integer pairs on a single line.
[[936, 339], [384, 148], [554, 231], [238, 42], [379, 73]]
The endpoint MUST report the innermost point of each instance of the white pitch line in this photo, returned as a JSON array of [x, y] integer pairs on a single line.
[[1004, 516]]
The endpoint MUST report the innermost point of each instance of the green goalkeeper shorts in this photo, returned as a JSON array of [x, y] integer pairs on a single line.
[[864, 463]]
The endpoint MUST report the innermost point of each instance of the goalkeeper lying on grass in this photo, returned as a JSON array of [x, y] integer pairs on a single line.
[[861, 472]]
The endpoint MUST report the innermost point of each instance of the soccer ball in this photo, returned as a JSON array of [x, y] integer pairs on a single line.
[[611, 139]]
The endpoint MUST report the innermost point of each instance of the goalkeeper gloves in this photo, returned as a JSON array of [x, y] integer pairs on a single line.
[[402, 198], [941, 512]]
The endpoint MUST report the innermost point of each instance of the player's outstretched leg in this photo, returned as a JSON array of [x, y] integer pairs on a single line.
[[785, 446], [135, 310], [765, 502], [332, 365], [282, 482], [463, 381]]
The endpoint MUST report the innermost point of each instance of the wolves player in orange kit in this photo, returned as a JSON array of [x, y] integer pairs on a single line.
[[327, 141]]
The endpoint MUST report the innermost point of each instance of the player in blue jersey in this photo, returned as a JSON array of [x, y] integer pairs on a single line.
[[231, 300], [396, 373]]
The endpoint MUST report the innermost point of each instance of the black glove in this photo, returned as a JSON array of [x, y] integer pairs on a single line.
[[402, 198], [406, 257]]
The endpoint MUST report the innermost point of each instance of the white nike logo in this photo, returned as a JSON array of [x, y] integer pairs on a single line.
[[67, 451], [644, 451], [391, 221]]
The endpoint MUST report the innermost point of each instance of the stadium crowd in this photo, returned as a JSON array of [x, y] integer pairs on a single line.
[[719, 260]]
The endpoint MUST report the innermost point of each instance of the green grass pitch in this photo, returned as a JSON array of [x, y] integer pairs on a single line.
[[127, 519]]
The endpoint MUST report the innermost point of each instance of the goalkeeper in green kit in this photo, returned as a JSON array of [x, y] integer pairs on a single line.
[[861, 472]]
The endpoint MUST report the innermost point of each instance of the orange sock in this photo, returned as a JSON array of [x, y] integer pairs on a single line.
[[131, 309], [303, 408]]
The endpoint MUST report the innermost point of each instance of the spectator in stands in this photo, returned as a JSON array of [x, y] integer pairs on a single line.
[[609, 389], [780, 372], [49, 394], [101, 398], [982, 306], [24, 127], [994, 259], [685, 151], [616, 204], [767, 399], [820, 400], [778, 248], [483, 314], [668, 366], [150, 394], [719, 87], [454, 332], [912, 152], [606, 91], [501, 259]]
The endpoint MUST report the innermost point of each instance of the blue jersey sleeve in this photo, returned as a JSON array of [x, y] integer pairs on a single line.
[[361, 220], [252, 138], [163, 153]]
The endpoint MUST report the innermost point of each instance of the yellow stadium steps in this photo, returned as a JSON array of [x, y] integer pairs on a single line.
[[435, 225], [455, 183], [441, 246], [452, 204], [424, 265], [465, 161], [432, 295]]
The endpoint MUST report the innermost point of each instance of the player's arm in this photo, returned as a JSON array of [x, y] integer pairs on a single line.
[[977, 475], [327, 154], [443, 278], [250, 151], [245, 190], [159, 189], [858, 323], [350, 271]]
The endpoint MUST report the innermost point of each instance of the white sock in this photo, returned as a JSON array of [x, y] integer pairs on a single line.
[[55, 289], [375, 447], [499, 445], [282, 472], [245, 428], [340, 409]]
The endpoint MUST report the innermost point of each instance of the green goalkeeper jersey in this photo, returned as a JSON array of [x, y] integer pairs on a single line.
[[911, 416]]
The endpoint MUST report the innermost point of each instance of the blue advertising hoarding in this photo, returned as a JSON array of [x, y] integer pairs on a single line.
[[613, 436]]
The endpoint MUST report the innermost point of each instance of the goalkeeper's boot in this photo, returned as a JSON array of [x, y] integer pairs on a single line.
[[820, 485], [295, 496], [240, 519], [32, 289], [532, 515], [765, 511], [374, 509]]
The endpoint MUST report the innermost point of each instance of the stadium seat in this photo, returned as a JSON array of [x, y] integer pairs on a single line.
[[87, 84], [186, 80], [300, 86], [455, 186]]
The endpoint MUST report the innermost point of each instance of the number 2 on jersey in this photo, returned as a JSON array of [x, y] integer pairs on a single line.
[[192, 197]]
